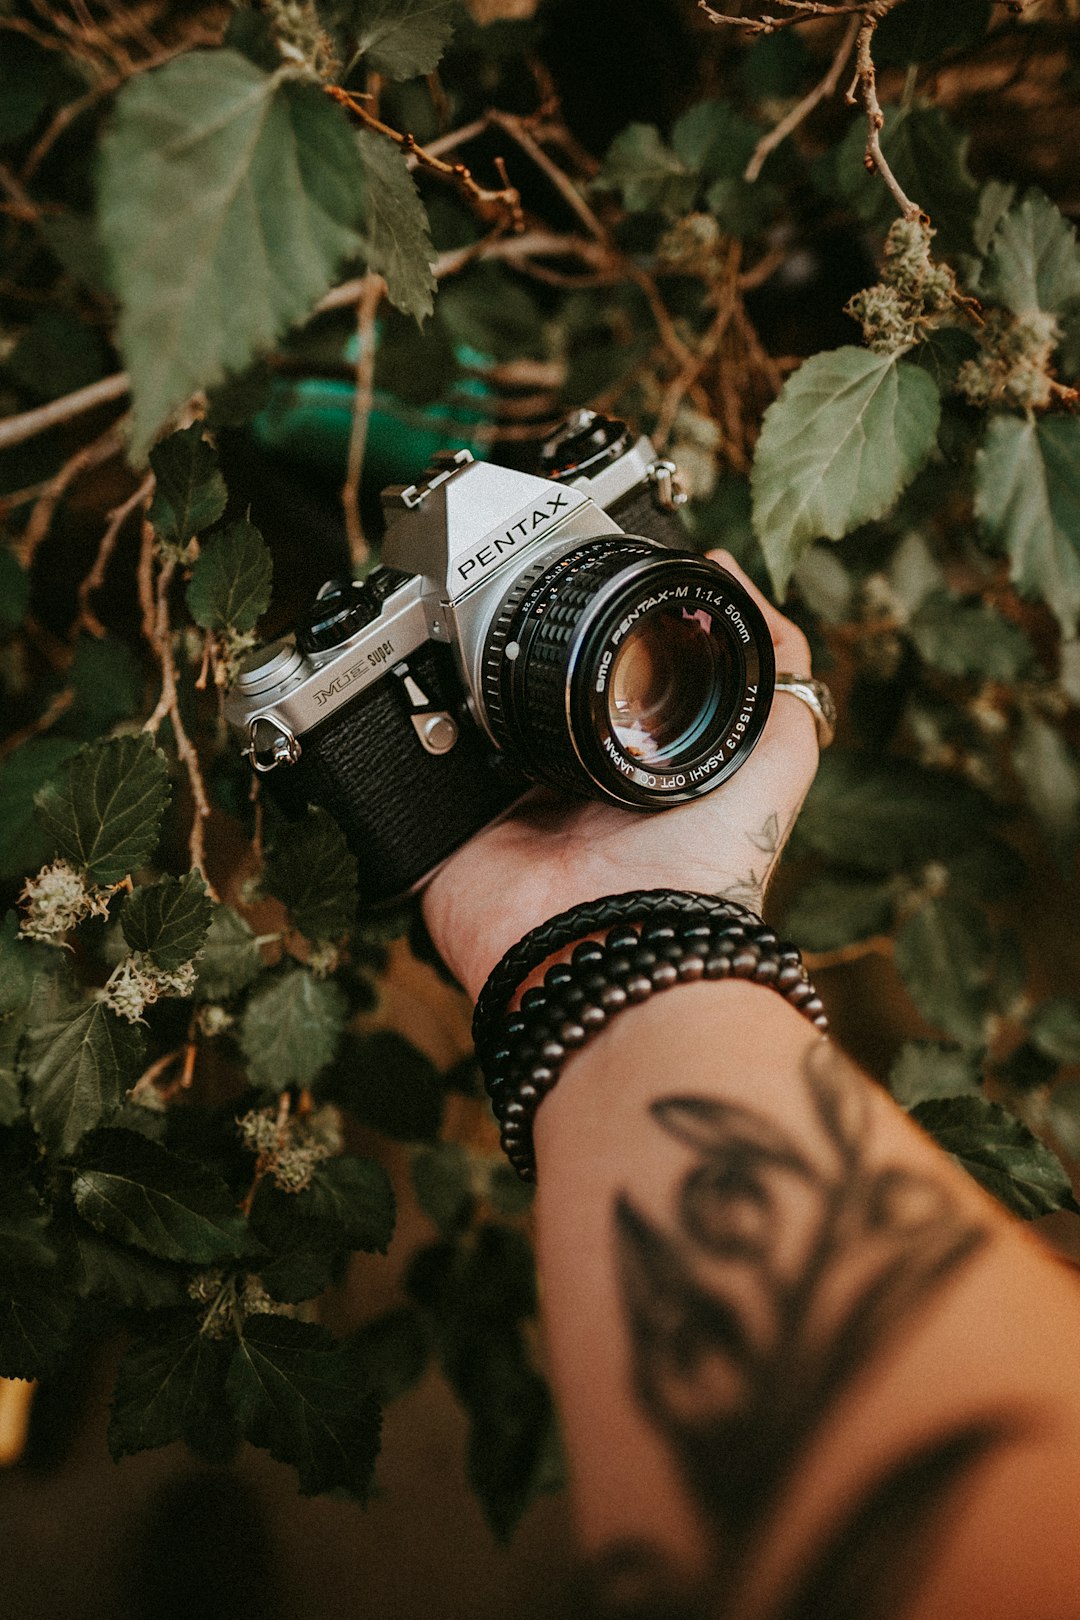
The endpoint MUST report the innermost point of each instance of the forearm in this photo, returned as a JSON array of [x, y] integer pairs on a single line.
[[792, 1344]]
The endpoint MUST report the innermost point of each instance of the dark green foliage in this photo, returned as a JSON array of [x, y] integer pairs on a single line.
[[165, 1384], [230, 958], [1000, 1152], [399, 240], [168, 920], [387, 1083], [477, 1295], [137, 1192], [443, 1184], [301, 1396], [104, 807], [230, 583], [189, 493], [311, 870], [401, 38], [945, 954], [24, 839], [291, 1028], [80, 1059]]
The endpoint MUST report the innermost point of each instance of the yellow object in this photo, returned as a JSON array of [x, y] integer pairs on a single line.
[[16, 1399]]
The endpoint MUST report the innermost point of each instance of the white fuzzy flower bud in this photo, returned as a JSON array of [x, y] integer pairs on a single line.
[[56, 900]]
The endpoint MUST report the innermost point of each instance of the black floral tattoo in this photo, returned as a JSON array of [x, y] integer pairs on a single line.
[[794, 1261]]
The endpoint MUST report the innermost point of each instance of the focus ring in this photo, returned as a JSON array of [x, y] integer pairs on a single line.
[[526, 701]]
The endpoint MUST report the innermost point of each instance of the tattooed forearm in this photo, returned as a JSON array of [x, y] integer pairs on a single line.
[[792, 1262]]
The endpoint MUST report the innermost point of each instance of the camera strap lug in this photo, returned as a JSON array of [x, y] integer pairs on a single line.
[[284, 748], [663, 475]]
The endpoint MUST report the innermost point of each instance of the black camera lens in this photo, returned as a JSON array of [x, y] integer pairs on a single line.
[[630, 671]]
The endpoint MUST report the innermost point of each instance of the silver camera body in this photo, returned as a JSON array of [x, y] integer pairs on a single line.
[[393, 703]]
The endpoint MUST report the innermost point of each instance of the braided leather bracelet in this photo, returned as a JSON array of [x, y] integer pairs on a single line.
[[673, 938]]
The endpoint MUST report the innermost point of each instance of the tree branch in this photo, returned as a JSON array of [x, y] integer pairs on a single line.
[[825, 88], [17, 429], [372, 288]]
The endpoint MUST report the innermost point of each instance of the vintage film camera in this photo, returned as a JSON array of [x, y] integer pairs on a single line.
[[520, 629]]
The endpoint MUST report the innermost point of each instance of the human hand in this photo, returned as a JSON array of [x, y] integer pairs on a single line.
[[551, 853]]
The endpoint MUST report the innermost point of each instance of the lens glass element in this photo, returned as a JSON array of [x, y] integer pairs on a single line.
[[667, 685]]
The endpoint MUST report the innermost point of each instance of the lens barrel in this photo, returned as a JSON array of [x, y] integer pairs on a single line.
[[628, 671]]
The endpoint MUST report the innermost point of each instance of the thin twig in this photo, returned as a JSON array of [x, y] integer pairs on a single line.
[[825, 88], [119, 515], [17, 429], [864, 89], [372, 289], [503, 202], [108, 444], [168, 706], [57, 706]]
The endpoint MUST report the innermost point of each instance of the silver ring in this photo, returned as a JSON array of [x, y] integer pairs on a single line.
[[818, 699]]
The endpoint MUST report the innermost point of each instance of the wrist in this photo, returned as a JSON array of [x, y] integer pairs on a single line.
[[654, 941]]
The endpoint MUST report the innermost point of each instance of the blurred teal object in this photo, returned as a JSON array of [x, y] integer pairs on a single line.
[[308, 422]]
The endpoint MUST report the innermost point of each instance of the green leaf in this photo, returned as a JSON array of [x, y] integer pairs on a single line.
[[487, 310], [291, 1028], [848, 432], [831, 911], [715, 143], [944, 954], [168, 920], [355, 1196], [926, 1069], [311, 870], [928, 156], [230, 958], [305, 1255], [35, 1316], [1034, 259], [1048, 771], [384, 1081], [107, 680], [775, 67], [1027, 498], [824, 584], [883, 814], [395, 1349], [398, 236], [121, 1277], [164, 1384], [648, 175], [190, 493], [24, 1215], [302, 1397], [17, 962], [442, 1182], [24, 842], [230, 583], [1000, 1153], [1055, 1029], [137, 1192], [104, 807], [228, 197], [11, 1102], [56, 354], [921, 30], [942, 352], [969, 638], [403, 38], [80, 1059]]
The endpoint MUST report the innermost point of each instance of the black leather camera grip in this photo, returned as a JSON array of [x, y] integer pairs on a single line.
[[403, 810]]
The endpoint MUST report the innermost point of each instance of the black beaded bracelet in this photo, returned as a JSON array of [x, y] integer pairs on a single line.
[[523, 1055]]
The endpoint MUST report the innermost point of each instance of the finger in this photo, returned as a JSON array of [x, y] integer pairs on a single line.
[[792, 647]]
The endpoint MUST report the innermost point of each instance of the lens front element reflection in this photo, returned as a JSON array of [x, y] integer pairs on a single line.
[[666, 685]]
